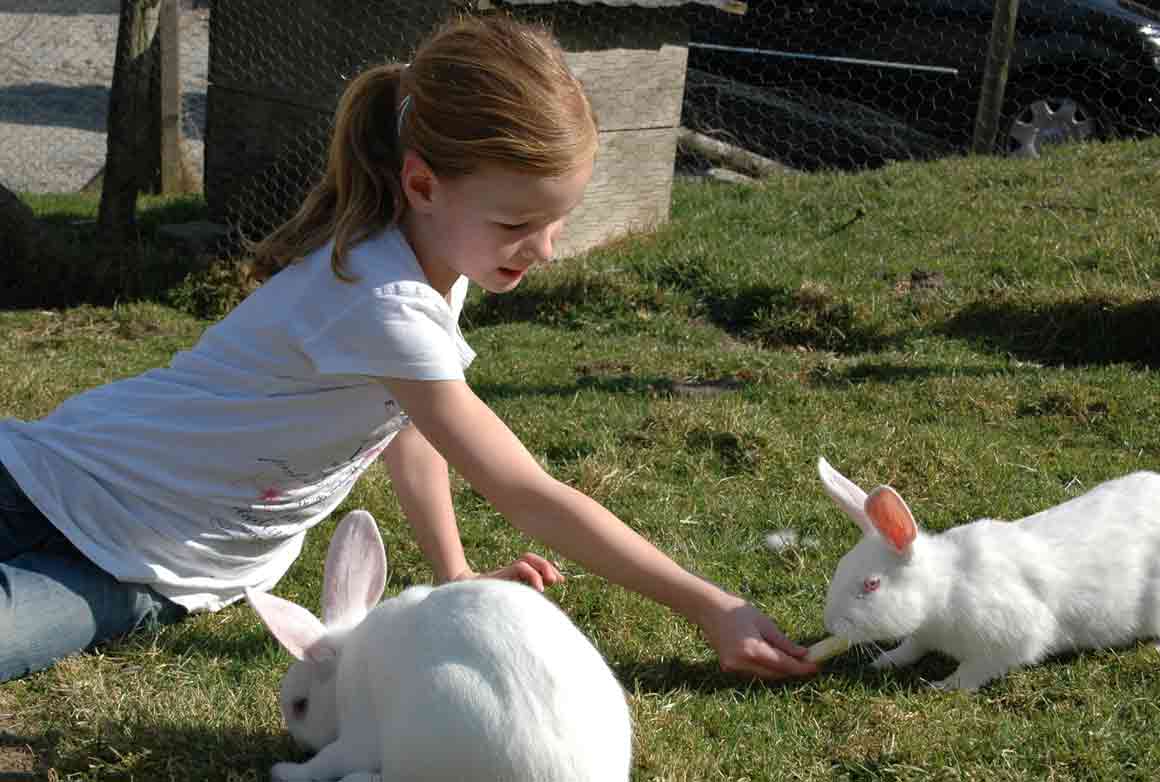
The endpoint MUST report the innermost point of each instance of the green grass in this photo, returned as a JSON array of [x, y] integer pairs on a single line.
[[688, 380]]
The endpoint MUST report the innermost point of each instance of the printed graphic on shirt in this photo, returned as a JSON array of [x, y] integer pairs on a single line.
[[292, 493]]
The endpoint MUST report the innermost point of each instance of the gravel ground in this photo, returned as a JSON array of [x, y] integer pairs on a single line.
[[56, 68]]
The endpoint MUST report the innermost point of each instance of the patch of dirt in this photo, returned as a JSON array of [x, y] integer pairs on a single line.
[[921, 280], [18, 757], [16, 762], [705, 388]]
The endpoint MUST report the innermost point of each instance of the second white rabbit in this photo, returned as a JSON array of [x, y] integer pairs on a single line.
[[480, 679], [998, 595]]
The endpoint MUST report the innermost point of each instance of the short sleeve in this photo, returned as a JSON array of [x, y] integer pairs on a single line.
[[459, 296], [404, 331]]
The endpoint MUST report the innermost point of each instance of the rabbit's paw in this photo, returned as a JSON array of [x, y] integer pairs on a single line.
[[906, 653], [968, 677]]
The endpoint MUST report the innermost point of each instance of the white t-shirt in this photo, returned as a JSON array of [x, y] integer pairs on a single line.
[[201, 478]]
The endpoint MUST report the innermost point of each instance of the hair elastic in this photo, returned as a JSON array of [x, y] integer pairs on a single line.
[[406, 104]]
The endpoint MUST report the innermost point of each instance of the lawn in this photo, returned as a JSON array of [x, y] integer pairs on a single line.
[[982, 334]]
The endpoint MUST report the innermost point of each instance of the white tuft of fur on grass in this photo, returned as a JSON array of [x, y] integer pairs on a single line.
[[782, 539]]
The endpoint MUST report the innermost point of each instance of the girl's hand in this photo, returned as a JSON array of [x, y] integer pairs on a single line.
[[531, 569], [748, 642]]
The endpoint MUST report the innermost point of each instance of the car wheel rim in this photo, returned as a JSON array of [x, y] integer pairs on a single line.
[[1049, 121]]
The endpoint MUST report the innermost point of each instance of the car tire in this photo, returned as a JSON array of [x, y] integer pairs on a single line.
[[1036, 122]]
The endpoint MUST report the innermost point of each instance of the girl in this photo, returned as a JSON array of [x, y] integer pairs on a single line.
[[175, 490]]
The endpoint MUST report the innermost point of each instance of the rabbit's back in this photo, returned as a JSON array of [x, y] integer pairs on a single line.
[[1108, 535], [1094, 561], [1123, 508], [490, 680]]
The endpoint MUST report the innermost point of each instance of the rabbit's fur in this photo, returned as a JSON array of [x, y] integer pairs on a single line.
[[998, 595], [481, 679]]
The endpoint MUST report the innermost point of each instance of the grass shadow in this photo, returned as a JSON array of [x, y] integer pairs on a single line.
[[643, 385], [777, 316], [159, 750], [210, 643], [855, 667], [89, 270], [668, 674], [1096, 329], [559, 301]]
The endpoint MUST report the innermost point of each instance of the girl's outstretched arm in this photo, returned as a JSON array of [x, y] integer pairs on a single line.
[[492, 459], [421, 482]]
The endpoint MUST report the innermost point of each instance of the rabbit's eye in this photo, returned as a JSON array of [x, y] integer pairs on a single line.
[[298, 707], [871, 584]]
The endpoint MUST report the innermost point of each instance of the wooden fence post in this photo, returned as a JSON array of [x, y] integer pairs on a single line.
[[172, 171], [995, 79]]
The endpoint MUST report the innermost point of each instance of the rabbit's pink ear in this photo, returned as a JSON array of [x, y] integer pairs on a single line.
[[847, 495], [298, 630], [893, 520], [355, 573]]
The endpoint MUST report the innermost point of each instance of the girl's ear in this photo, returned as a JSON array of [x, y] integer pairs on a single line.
[[355, 572], [846, 495], [892, 518], [418, 181]]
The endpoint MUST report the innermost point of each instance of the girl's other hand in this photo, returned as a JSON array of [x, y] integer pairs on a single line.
[[748, 642], [530, 569]]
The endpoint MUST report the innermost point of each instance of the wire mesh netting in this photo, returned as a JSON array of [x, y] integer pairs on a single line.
[[798, 84], [56, 72], [852, 83], [271, 97]]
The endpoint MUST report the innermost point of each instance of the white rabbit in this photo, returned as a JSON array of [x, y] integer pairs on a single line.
[[481, 679], [998, 595]]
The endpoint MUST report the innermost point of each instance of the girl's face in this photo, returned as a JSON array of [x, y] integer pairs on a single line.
[[490, 226]]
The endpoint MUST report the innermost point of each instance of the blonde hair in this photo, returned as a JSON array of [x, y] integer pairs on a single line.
[[481, 90]]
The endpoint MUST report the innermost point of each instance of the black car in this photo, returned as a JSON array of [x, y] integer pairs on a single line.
[[882, 79]]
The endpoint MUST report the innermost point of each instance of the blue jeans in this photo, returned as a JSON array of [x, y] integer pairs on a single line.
[[53, 600]]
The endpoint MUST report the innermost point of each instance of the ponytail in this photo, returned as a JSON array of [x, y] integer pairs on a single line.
[[360, 192]]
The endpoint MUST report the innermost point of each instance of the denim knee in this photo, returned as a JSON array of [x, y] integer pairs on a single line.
[[54, 601], [53, 604]]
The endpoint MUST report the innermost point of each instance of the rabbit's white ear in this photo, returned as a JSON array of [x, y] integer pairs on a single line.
[[892, 518], [355, 573], [850, 498], [298, 630]]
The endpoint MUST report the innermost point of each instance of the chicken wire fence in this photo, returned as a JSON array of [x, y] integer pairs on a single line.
[[56, 71], [277, 72], [851, 83], [803, 84]]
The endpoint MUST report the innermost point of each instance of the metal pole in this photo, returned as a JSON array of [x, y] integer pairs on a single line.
[[995, 79]]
